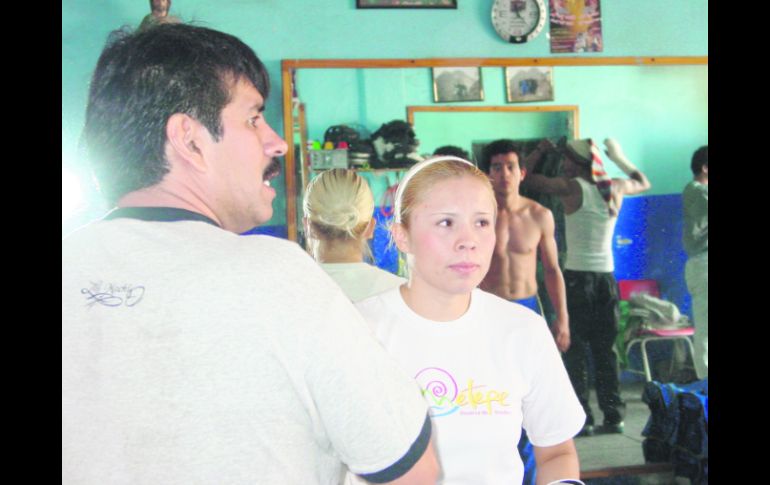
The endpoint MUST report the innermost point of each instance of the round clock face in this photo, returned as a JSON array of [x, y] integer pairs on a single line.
[[518, 21]]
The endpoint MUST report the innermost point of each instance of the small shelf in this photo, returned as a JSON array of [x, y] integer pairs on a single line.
[[370, 170]]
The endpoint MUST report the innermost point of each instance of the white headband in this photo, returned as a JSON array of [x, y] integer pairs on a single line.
[[412, 171]]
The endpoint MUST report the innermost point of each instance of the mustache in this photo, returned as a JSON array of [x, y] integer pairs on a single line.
[[272, 170]]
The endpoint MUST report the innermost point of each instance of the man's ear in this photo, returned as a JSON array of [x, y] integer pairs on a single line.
[[184, 137], [523, 172], [400, 237]]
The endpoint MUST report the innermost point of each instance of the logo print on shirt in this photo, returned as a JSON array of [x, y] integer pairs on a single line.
[[113, 295], [440, 389], [445, 397]]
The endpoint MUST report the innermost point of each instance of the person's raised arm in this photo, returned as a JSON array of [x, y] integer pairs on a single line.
[[554, 280], [636, 182], [536, 156], [559, 186], [558, 462]]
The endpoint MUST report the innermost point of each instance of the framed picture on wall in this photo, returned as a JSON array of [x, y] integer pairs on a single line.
[[406, 3], [530, 83], [452, 84]]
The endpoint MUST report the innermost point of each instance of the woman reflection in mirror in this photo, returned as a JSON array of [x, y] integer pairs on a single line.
[[338, 223]]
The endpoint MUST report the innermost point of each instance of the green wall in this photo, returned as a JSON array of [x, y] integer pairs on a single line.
[[279, 29]]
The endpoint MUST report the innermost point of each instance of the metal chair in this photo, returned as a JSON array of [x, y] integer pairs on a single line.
[[646, 334]]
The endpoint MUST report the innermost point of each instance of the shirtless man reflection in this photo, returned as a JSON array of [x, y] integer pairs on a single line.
[[524, 229]]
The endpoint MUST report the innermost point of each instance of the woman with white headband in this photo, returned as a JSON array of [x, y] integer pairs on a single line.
[[486, 366], [338, 221]]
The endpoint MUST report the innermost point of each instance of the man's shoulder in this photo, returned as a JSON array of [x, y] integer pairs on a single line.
[[277, 243], [274, 251], [220, 246], [535, 207], [536, 211], [248, 247], [695, 187]]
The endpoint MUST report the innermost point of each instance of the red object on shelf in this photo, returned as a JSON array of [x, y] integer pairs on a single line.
[[629, 287]]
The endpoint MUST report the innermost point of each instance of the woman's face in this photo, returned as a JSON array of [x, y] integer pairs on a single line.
[[451, 236]]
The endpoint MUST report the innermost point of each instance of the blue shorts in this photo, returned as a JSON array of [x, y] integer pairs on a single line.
[[533, 303]]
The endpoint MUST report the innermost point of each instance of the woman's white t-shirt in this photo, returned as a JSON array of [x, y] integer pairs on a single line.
[[484, 375]]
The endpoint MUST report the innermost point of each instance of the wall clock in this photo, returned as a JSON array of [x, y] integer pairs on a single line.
[[518, 21]]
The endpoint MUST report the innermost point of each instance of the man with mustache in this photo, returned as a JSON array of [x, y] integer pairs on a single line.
[[191, 354]]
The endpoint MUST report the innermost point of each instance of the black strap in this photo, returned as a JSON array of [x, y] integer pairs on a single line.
[[158, 214]]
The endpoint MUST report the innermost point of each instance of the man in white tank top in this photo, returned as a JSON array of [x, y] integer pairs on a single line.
[[591, 203]]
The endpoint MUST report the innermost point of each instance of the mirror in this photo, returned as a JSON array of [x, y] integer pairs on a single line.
[[472, 127], [665, 98], [656, 107]]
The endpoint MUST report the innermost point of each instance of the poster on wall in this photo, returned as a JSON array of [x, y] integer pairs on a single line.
[[576, 26]]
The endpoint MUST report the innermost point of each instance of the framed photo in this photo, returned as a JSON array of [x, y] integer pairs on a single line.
[[406, 3], [529, 83], [452, 84]]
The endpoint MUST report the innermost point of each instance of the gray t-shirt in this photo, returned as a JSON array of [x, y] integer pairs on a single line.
[[193, 355], [695, 235]]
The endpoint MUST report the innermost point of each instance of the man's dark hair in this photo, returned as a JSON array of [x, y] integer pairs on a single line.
[[497, 147], [452, 150], [699, 159], [141, 80]]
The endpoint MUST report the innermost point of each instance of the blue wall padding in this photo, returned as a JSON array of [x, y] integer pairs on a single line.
[[385, 255], [647, 244]]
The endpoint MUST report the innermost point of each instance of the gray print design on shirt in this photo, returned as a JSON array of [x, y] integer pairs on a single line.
[[112, 295]]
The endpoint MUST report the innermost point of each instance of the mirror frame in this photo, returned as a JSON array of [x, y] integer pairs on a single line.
[[289, 66]]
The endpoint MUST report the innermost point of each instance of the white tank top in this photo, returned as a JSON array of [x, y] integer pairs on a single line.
[[589, 233]]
